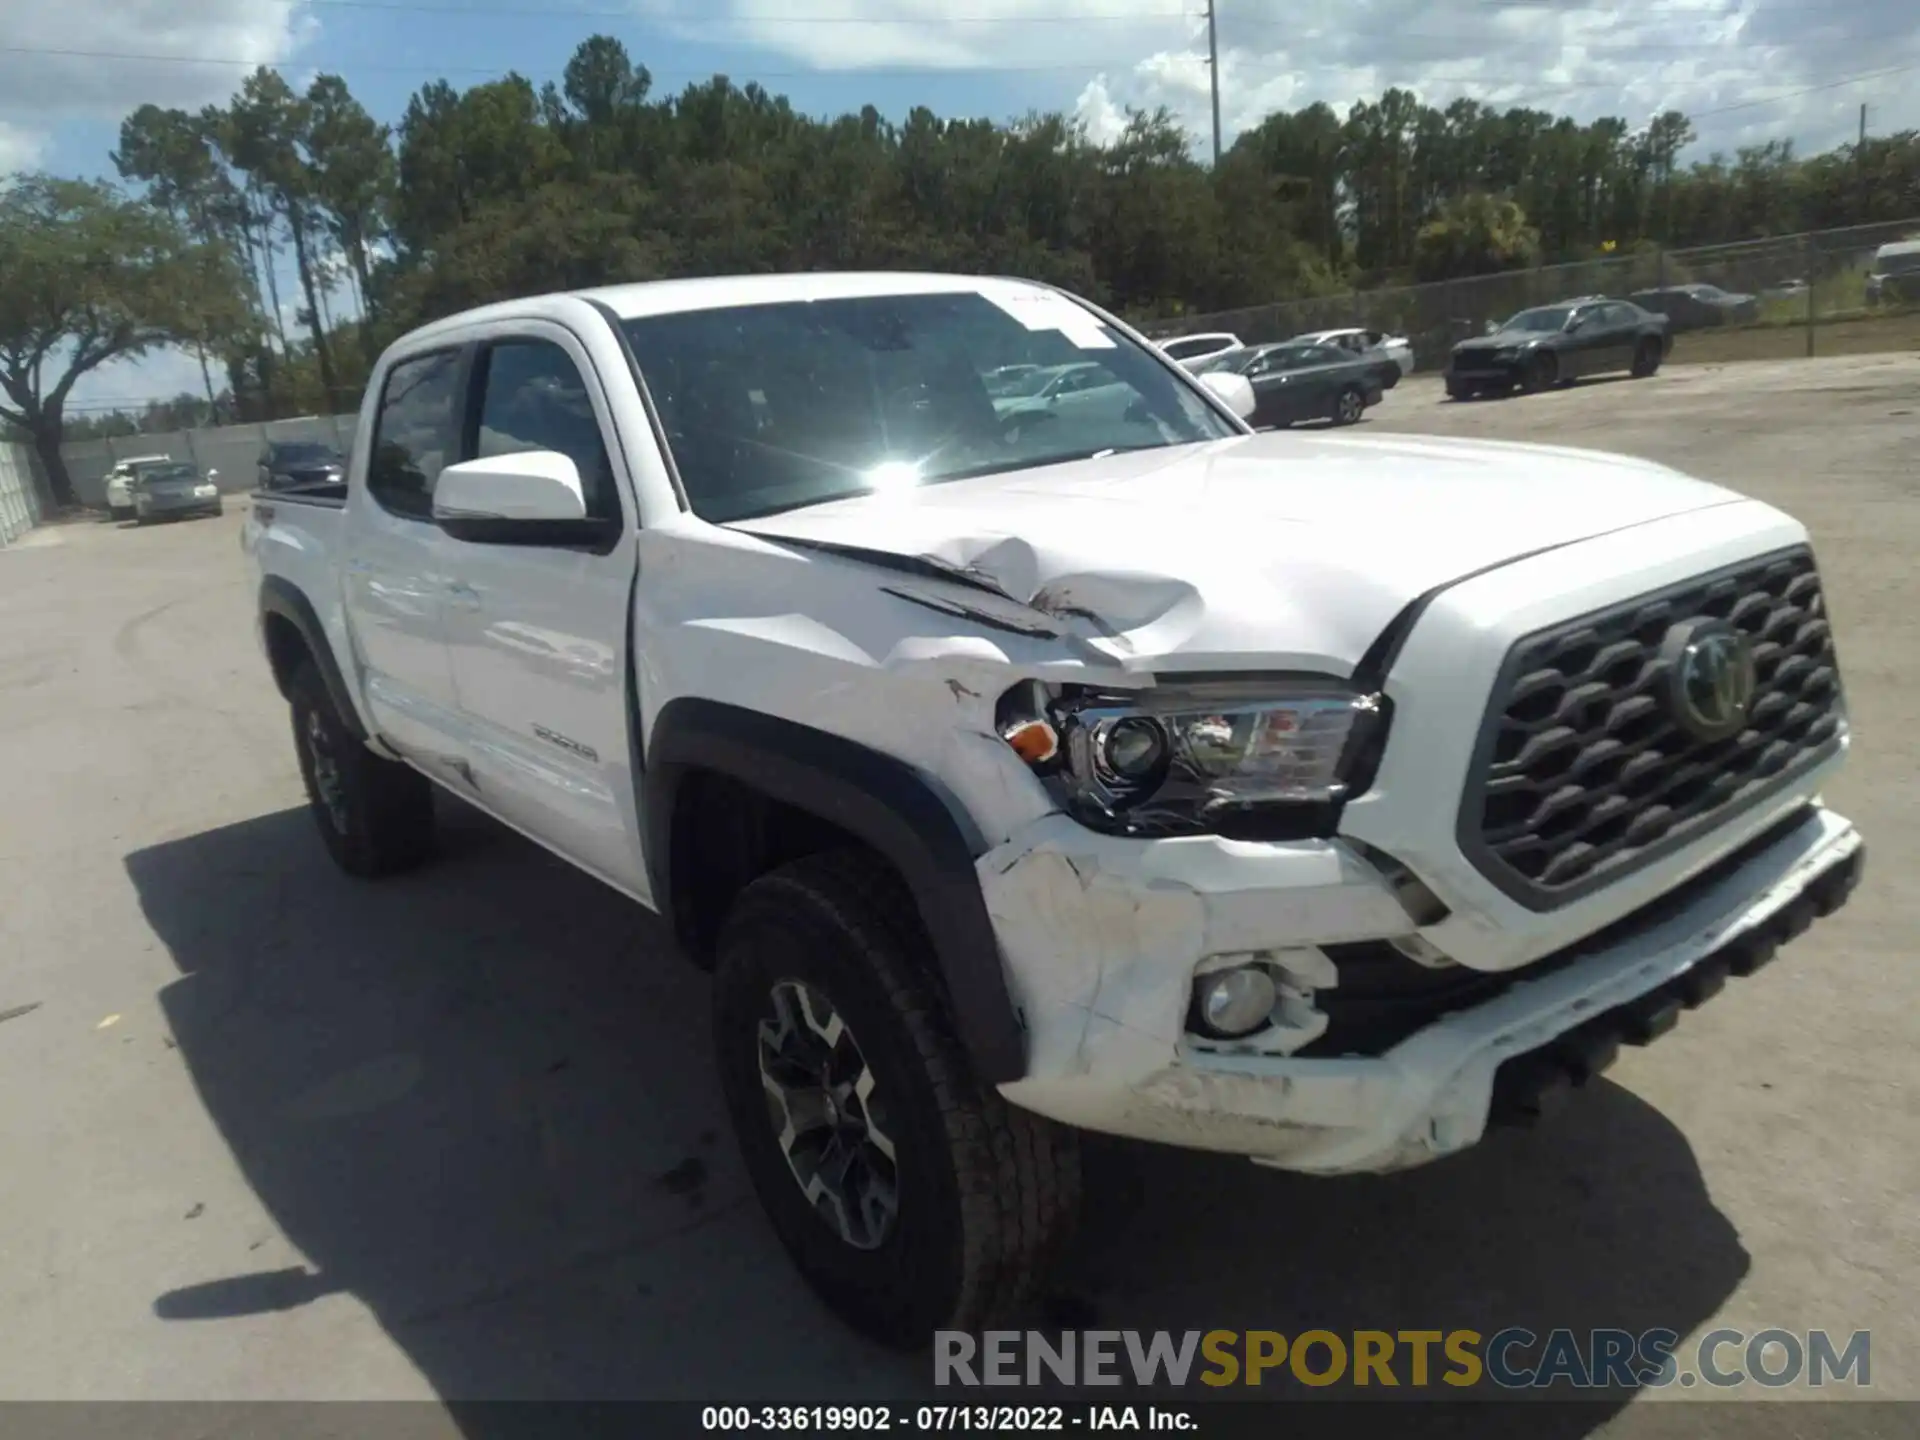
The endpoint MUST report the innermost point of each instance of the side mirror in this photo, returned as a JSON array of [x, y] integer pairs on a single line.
[[1492, 328], [1235, 390], [213, 474], [531, 497]]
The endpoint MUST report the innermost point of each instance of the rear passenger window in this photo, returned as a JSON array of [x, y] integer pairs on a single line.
[[534, 399], [417, 434]]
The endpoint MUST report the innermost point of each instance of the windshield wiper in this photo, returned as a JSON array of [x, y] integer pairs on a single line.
[[998, 468]]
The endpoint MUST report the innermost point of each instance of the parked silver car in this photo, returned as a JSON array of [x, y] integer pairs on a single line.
[[169, 492]]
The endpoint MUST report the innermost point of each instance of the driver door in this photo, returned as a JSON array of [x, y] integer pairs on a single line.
[[1584, 350], [537, 634]]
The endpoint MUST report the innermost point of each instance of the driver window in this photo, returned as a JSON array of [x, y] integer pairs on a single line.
[[534, 399]]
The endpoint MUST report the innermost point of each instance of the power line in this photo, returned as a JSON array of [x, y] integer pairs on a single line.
[[1687, 47], [426, 68], [1808, 90], [1532, 83], [782, 17]]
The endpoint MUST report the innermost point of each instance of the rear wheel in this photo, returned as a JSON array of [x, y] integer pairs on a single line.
[[375, 815], [1646, 358], [909, 1194], [1349, 405]]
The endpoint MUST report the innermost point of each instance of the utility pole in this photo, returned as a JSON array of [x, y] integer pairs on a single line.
[[1213, 74], [1860, 164]]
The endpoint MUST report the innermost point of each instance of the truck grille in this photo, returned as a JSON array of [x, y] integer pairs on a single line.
[[1584, 773]]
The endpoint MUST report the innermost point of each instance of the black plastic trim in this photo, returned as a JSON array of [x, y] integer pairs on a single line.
[[1467, 822], [1384, 997], [904, 815], [331, 496], [612, 318], [280, 596], [596, 534]]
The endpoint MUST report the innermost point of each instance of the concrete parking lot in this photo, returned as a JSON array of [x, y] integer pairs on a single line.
[[274, 1134]]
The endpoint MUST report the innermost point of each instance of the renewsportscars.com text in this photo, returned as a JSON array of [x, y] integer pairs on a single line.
[[1514, 1358]]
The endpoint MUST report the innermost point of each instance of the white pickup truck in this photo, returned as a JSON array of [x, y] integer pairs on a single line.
[[1320, 799]]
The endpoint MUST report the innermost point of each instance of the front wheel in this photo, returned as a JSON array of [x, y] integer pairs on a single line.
[[909, 1194], [1542, 373], [375, 815], [1349, 405], [1646, 358]]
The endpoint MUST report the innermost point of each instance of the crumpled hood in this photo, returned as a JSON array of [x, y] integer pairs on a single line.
[[1299, 549]]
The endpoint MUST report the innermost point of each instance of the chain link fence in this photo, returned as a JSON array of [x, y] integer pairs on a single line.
[[1830, 292], [20, 504], [233, 451]]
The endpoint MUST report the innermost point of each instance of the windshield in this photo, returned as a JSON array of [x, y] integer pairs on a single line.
[[305, 454], [773, 407], [1550, 317], [1899, 263], [149, 473]]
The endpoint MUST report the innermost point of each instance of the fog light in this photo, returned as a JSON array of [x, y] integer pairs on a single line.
[[1230, 1003]]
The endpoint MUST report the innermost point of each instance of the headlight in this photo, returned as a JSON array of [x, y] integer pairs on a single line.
[[1255, 760]]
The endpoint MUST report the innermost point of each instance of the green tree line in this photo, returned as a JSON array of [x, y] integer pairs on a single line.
[[506, 188]]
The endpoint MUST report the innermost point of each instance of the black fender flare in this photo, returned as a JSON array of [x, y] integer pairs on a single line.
[[902, 814], [280, 597]]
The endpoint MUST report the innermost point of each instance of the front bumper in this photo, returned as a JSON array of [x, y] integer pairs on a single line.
[[178, 509], [1486, 372], [1107, 1045]]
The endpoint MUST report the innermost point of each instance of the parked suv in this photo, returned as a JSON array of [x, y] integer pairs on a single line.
[[1319, 799], [1894, 278], [285, 464]]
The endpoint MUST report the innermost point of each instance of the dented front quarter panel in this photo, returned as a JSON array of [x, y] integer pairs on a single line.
[[1102, 934]]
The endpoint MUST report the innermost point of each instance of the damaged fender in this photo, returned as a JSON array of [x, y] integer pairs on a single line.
[[902, 814]]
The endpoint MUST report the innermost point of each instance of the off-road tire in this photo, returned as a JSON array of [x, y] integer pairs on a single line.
[[384, 823], [987, 1194], [1542, 373], [1646, 358]]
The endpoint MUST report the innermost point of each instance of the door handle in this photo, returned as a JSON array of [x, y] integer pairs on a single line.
[[464, 596]]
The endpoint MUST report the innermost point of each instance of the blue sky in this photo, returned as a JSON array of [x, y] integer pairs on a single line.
[[1749, 69]]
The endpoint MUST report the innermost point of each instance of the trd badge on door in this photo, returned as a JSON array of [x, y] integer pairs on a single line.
[[585, 752]]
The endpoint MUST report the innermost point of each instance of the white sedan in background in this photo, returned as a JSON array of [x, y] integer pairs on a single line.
[[120, 480], [1398, 348], [1190, 350]]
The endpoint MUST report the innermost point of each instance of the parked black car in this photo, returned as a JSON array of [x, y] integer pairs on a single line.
[[1556, 344], [1699, 307], [286, 464], [1303, 382]]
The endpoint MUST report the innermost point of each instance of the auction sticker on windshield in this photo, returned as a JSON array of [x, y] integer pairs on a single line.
[[1043, 310]]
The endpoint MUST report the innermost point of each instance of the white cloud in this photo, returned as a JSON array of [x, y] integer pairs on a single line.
[[979, 35], [20, 148], [1633, 58], [55, 65], [1733, 69]]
